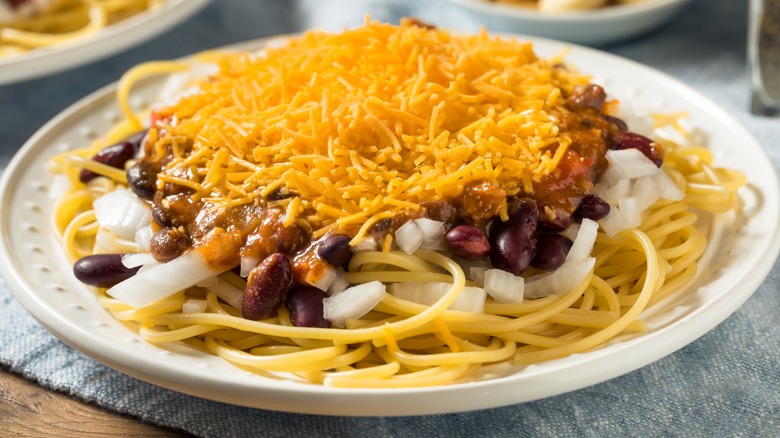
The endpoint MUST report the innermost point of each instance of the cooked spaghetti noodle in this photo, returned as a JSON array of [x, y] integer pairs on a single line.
[[360, 134], [60, 21]]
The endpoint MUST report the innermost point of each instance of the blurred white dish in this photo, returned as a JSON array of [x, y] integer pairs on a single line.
[[112, 39], [591, 27]]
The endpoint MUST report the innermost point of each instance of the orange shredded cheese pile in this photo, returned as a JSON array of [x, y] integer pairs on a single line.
[[362, 124]]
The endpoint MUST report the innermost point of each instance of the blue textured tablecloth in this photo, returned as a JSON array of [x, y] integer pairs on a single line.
[[725, 384]]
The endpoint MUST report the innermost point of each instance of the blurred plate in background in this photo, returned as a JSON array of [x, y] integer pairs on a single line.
[[591, 27], [112, 39]]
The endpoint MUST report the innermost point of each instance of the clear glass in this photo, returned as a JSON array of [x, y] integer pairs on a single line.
[[764, 56]]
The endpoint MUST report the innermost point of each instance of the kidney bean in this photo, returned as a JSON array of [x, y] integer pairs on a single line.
[[512, 241], [589, 96], [551, 251], [592, 207], [266, 287], [335, 250], [632, 140], [142, 179], [167, 244], [102, 270], [115, 155], [468, 241], [305, 305], [554, 219]]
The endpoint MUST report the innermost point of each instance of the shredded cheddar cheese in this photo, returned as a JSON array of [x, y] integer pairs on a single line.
[[359, 125]]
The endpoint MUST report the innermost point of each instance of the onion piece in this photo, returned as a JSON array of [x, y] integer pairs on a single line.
[[471, 299], [138, 259], [477, 275], [192, 306], [352, 303], [559, 281], [409, 237], [162, 280], [321, 276], [122, 213], [339, 283], [504, 286], [668, 188], [143, 238], [627, 164], [629, 208], [583, 243], [223, 289], [433, 233], [247, 264], [365, 244]]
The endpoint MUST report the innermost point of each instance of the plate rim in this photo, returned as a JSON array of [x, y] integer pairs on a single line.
[[112, 39], [286, 395]]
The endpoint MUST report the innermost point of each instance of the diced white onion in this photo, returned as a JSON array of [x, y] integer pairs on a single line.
[[162, 280], [339, 284], [143, 238], [559, 281], [646, 192], [122, 213], [352, 303], [138, 259], [409, 237], [571, 232], [627, 164], [105, 243], [247, 264], [668, 188], [629, 207], [192, 306], [221, 288], [583, 243], [322, 277], [477, 275], [433, 234], [471, 299], [365, 244], [504, 287]]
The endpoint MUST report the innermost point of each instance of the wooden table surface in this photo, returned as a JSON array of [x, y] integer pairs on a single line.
[[27, 410]]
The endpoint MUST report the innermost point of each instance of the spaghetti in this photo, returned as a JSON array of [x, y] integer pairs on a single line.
[[424, 180], [33, 24]]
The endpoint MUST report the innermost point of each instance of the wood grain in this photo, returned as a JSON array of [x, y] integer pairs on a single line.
[[27, 410]]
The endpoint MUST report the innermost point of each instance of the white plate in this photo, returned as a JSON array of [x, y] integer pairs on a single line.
[[42, 281], [597, 26], [114, 38]]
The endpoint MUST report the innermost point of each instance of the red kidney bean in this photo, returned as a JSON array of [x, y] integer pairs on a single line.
[[167, 244], [632, 140], [142, 179], [335, 250], [589, 96], [512, 241], [554, 219], [592, 207], [115, 155], [305, 305], [468, 241], [551, 251], [102, 270], [266, 287]]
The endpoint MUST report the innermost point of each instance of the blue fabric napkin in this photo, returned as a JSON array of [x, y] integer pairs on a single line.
[[725, 384]]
